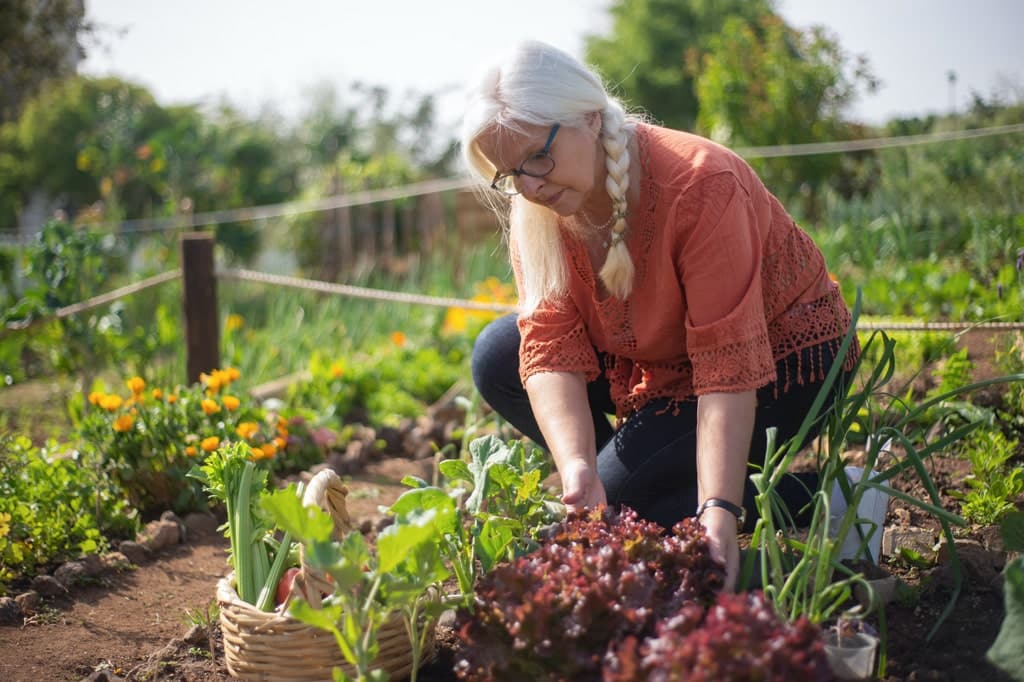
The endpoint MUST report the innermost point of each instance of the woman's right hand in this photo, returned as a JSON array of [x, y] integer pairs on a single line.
[[581, 486]]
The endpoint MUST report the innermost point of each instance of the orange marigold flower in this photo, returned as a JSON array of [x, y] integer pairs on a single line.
[[398, 338], [256, 454], [210, 444], [212, 381], [190, 451], [247, 429], [137, 385], [210, 406], [124, 423], [96, 397], [232, 373], [157, 394], [337, 370], [111, 402], [280, 442], [172, 398], [231, 402], [269, 449]]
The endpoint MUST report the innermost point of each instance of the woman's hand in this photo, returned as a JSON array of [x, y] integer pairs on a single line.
[[720, 525], [581, 486]]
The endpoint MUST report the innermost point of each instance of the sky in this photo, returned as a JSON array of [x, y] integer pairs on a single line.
[[255, 53]]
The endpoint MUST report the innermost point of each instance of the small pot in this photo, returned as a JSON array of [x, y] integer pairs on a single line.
[[852, 657]]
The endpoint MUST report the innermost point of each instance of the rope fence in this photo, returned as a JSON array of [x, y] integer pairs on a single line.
[[359, 198]]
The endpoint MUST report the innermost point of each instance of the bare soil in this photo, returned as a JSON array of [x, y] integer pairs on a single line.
[[140, 624]]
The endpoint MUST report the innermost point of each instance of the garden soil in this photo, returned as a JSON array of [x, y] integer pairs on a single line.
[[151, 622]]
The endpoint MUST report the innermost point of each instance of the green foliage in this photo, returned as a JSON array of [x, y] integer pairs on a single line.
[[994, 485], [37, 43], [655, 49], [53, 507], [765, 83]]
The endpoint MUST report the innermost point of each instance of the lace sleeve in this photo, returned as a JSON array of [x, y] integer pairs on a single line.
[[553, 338], [720, 265]]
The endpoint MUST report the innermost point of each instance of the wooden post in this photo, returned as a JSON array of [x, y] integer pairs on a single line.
[[199, 304]]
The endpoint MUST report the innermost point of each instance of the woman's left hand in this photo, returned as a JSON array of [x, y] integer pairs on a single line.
[[720, 525]]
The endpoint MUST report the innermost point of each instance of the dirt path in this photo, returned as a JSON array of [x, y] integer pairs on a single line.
[[120, 624]]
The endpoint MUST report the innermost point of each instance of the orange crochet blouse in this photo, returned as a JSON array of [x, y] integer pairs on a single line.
[[726, 286]]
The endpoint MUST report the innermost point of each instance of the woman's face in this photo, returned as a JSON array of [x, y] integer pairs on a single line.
[[578, 169]]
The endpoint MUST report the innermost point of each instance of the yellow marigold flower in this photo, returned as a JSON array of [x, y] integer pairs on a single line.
[[96, 397], [247, 429], [5, 524], [398, 338], [190, 451], [111, 402], [281, 442], [269, 449], [211, 381], [210, 444], [256, 454], [157, 394], [234, 322], [172, 398], [337, 370], [210, 406], [124, 423], [137, 385], [232, 373], [231, 402]]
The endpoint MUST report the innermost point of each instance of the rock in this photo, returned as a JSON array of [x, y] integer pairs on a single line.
[[116, 561], [103, 676], [991, 538], [47, 586], [71, 573], [366, 527], [94, 565], [201, 523], [10, 612], [392, 439], [384, 522], [196, 634], [885, 590], [447, 619], [160, 534], [28, 602], [919, 540], [136, 553], [983, 565]]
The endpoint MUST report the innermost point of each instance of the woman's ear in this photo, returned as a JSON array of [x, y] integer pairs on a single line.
[[594, 122]]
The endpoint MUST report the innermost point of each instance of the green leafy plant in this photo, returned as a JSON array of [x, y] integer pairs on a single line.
[[53, 507], [798, 575], [994, 485]]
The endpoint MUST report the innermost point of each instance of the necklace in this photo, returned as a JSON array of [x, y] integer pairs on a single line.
[[606, 239]]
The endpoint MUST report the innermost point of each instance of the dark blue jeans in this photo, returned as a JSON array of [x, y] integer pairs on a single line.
[[650, 462]]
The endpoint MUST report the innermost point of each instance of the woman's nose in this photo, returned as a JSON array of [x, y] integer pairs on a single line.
[[529, 186]]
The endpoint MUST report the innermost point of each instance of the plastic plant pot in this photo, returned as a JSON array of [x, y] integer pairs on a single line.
[[853, 656]]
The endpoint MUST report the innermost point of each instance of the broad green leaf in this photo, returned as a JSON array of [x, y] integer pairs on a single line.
[[414, 482], [1011, 529], [455, 470], [306, 523], [495, 536], [325, 618], [1007, 651]]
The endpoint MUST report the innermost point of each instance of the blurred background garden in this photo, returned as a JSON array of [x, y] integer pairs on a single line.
[[359, 183]]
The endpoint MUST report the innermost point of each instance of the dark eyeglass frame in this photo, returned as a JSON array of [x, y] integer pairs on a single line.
[[516, 172]]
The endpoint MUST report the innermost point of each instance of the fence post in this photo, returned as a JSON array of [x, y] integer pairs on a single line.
[[199, 304]]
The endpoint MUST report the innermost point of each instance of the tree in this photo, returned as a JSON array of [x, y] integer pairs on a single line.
[[655, 50], [40, 40], [765, 83]]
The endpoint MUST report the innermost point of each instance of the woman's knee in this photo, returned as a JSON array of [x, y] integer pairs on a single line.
[[495, 359]]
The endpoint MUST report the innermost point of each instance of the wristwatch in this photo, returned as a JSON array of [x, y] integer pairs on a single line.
[[739, 512]]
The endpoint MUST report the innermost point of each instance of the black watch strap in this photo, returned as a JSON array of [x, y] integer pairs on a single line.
[[739, 512]]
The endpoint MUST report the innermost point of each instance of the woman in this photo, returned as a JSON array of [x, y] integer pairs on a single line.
[[660, 281]]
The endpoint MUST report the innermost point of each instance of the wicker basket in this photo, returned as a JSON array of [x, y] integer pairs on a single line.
[[270, 646]]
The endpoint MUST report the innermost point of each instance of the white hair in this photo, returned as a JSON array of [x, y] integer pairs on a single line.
[[537, 84]]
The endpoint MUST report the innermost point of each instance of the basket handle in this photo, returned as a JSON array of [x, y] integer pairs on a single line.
[[325, 490]]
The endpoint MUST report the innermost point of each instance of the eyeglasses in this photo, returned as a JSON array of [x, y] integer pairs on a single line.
[[537, 166]]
